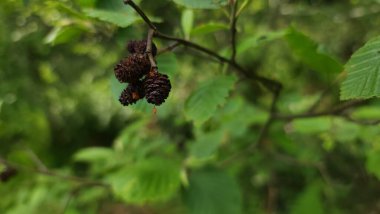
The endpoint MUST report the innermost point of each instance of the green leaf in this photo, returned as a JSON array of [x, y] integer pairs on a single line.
[[312, 125], [202, 4], [366, 113], [121, 18], [116, 87], [363, 80], [212, 192], [206, 145], [64, 34], [203, 102], [309, 201], [167, 63], [151, 180], [373, 162], [94, 154], [187, 22], [307, 51], [255, 41], [209, 28]]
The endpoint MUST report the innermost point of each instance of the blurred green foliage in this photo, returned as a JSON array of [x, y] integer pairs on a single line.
[[77, 150]]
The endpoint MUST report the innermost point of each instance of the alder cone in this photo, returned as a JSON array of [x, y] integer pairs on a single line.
[[132, 68], [157, 87], [140, 47], [133, 93]]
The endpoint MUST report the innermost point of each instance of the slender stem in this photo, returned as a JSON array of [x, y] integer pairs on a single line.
[[169, 48], [272, 85], [141, 13], [149, 49], [233, 28]]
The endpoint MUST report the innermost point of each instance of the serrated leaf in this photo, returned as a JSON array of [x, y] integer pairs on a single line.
[[202, 4], [203, 102], [120, 18], [151, 180], [307, 51], [212, 192], [209, 28], [363, 68], [187, 22]]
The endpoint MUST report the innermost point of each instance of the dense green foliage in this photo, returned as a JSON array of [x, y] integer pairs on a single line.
[[77, 150]]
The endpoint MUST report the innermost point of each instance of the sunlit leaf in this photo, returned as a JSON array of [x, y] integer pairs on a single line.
[[363, 80], [204, 101], [312, 125], [202, 4], [60, 35], [373, 162], [120, 18], [93, 154], [187, 22]]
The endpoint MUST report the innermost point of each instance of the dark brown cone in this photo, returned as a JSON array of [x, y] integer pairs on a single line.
[[157, 87], [132, 68], [140, 47], [133, 93]]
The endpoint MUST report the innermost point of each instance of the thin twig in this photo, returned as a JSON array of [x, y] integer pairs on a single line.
[[335, 111], [169, 48], [272, 85], [141, 13], [53, 174], [233, 28], [149, 49]]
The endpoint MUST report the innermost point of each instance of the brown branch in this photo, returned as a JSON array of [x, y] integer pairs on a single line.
[[48, 172], [272, 85], [233, 28], [148, 51], [335, 111], [169, 48]]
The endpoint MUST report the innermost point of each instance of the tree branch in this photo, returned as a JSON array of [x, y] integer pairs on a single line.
[[148, 51], [233, 28], [271, 85]]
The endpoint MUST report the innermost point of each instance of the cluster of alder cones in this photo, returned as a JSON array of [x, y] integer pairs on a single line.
[[143, 80]]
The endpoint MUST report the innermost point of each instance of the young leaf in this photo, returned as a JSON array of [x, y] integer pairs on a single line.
[[212, 192], [307, 52], [363, 80], [151, 180], [121, 19], [201, 105], [187, 22], [202, 4]]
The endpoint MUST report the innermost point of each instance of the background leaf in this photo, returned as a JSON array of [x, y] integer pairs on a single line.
[[202, 4], [187, 22], [120, 18], [151, 180], [363, 68], [204, 101], [307, 51], [209, 28], [212, 192]]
